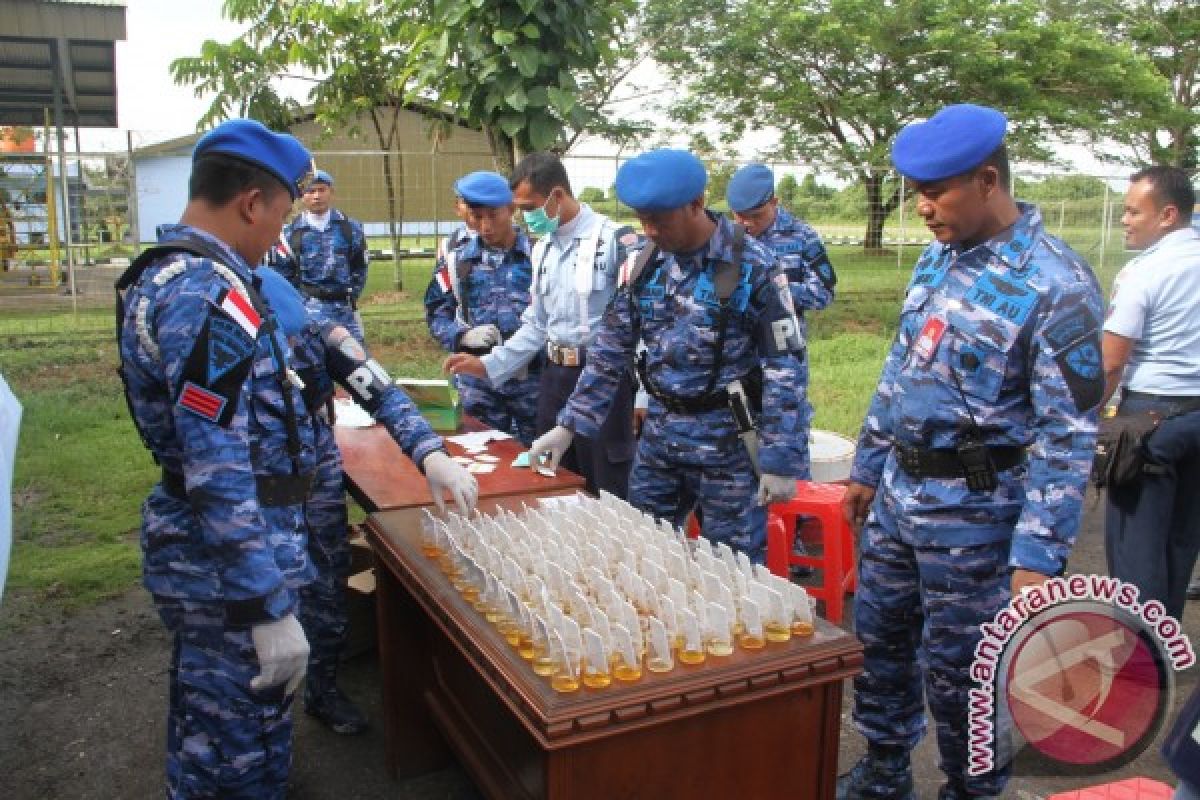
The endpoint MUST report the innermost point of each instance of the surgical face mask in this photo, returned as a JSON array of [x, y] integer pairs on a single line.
[[541, 223]]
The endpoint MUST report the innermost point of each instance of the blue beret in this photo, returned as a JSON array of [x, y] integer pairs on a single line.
[[484, 189], [953, 141], [321, 176], [750, 187], [661, 180], [280, 154]]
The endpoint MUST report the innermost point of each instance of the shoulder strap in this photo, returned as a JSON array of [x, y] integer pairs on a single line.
[[727, 273], [151, 255], [347, 230], [295, 242], [633, 277]]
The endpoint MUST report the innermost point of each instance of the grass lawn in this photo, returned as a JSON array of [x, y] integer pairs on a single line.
[[81, 473]]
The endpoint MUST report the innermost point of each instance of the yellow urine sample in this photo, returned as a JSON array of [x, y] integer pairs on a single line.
[[624, 672], [692, 656], [564, 683], [776, 632], [597, 680], [801, 628], [659, 665], [750, 642]]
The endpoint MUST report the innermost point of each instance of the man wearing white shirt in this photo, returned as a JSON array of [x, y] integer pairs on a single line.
[[575, 266], [1152, 350]]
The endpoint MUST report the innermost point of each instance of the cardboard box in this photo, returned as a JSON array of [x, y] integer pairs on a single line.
[[437, 400]]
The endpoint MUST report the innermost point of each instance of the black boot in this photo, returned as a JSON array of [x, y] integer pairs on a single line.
[[884, 773], [327, 703]]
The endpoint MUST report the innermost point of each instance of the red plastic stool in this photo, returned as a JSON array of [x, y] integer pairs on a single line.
[[1131, 789], [836, 561]]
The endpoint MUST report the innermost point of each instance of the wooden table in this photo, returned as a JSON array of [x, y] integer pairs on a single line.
[[760, 726], [380, 477]]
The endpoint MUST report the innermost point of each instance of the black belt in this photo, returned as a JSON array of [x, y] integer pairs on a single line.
[[927, 462], [273, 490], [1186, 400], [328, 295]]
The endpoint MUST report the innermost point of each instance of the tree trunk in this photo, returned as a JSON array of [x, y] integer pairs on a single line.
[[878, 209], [394, 213], [504, 151]]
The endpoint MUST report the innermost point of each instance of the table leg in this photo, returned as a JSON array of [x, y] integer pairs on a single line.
[[414, 744]]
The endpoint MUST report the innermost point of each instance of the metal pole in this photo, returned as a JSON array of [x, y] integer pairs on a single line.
[[1104, 227], [135, 231], [87, 249], [62, 169], [903, 238]]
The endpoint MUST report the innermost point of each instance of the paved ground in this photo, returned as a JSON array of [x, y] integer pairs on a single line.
[[82, 701]]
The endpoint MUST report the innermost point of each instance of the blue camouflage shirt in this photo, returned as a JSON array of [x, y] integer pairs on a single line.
[[325, 259], [1015, 321], [676, 308], [204, 387], [802, 256], [494, 282]]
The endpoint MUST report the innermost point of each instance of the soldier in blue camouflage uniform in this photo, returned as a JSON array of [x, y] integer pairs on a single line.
[[973, 458], [689, 452], [801, 254], [475, 301], [211, 393], [322, 353], [328, 257]]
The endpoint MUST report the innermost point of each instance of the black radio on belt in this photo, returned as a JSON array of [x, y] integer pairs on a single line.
[[978, 467]]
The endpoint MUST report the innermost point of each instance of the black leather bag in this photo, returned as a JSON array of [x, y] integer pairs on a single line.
[[1120, 449]]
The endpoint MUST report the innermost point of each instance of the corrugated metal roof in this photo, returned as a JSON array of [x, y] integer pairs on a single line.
[[72, 41]]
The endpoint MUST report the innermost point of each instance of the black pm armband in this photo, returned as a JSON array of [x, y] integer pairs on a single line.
[[361, 376]]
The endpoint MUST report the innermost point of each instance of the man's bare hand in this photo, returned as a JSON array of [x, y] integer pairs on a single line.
[[1022, 578], [857, 503], [639, 419], [464, 364]]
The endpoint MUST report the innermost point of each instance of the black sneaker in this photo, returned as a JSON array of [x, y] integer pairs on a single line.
[[878, 776], [336, 711]]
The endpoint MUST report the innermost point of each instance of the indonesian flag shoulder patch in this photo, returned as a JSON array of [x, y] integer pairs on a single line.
[[235, 304]]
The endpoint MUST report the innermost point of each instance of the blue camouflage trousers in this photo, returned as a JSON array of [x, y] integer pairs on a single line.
[[918, 612], [338, 312], [669, 485], [511, 407], [224, 740], [322, 601]]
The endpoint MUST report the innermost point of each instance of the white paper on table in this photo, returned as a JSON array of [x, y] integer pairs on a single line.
[[477, 439], [349, 414], [10, 424]]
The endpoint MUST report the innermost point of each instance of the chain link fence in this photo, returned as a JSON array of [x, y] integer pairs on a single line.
[[69, 224]]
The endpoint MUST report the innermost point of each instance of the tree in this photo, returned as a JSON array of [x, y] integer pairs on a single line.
[[518, 68], [838, 79], [1167, 32], [527, 72], [788, 191], [347, 44], [592, 195]]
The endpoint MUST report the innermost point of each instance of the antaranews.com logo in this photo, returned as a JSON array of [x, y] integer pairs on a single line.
[[1077, 669]]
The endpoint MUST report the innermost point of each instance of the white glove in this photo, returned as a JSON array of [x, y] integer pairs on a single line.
[[443, 474], [775, 489], [554, 443], [282, 650], [481, 336]]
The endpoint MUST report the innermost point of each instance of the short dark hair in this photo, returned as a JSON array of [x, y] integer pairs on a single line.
[[999, 160], [544, 171], [218, 178], [1172, 187]]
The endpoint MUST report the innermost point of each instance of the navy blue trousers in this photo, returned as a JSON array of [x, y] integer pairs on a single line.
[[605, 463]]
